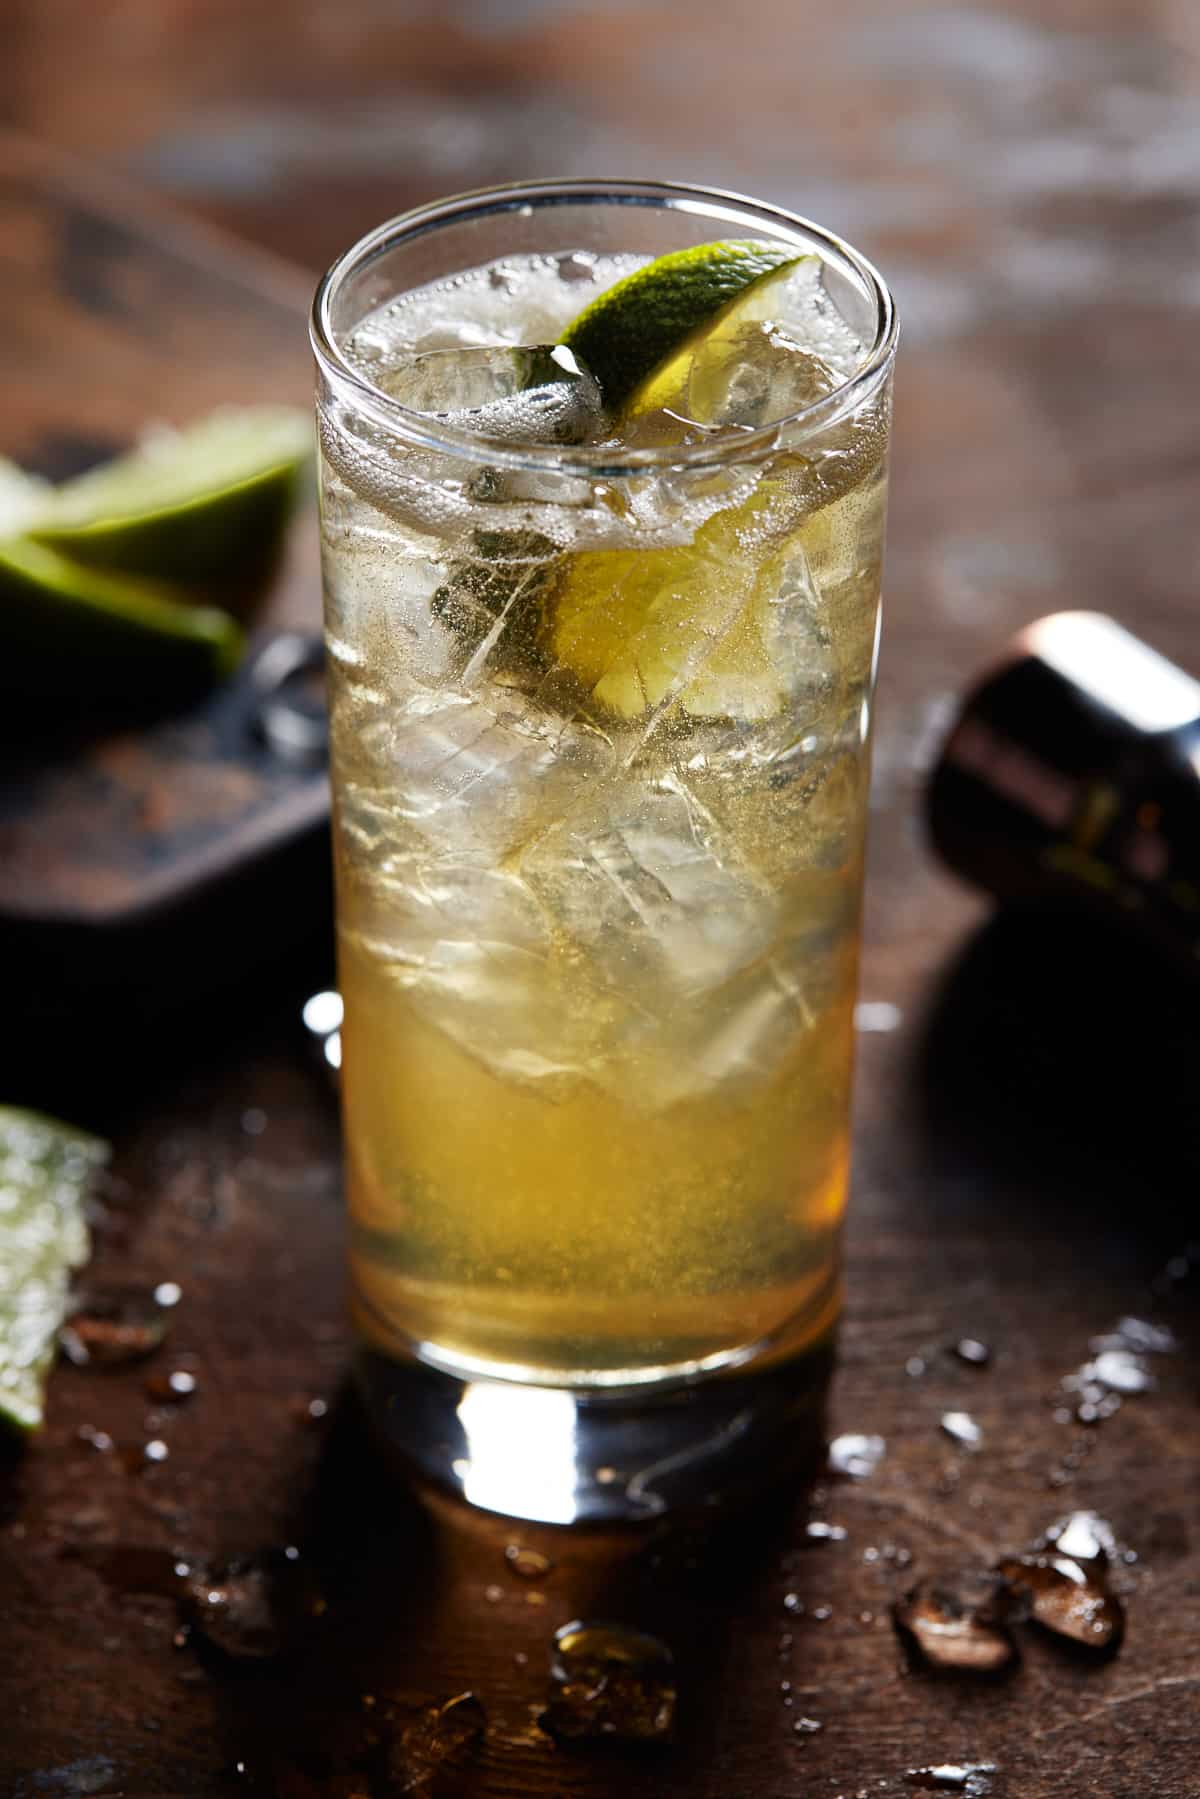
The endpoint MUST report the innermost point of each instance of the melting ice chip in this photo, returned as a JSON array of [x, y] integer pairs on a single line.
[[960, 1622], [521, 395], [962, 1429], [856, 1455]]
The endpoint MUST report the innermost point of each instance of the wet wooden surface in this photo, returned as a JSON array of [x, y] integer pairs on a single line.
[[1027, 1154]]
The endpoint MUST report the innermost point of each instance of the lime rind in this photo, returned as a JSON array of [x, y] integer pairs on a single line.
[[178, 468], [46, 1168], [204, 508], [630, 329], [671, 381], [67, 629]]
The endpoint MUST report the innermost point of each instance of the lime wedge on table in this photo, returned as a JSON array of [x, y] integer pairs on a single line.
[[45, 1170], [23, 498], [204, 508], [70, 631], [644, 321], [692, 622]]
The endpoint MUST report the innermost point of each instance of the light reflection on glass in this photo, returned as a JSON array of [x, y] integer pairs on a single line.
[[323, 1013], [520, 1451]]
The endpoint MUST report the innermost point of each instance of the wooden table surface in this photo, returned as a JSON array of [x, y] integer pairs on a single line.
[[1027, 1149]]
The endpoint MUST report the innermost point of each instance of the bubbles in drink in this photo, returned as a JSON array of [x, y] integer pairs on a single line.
[[599, 745]]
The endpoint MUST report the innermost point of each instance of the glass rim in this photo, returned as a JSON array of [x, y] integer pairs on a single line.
[[427, 431]]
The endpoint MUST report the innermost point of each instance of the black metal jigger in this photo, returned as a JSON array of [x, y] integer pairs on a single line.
[[1072, 776]]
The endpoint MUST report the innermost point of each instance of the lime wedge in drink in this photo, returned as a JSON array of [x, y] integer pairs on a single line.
[[692, 623], [45, 1170], [70, 631], [644, 321], [742, 367], [204, 508]]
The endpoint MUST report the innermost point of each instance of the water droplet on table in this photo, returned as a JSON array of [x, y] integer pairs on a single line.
[[309, 1411], [962, 1429], [109, 1327], [530, 1564], [968, 1778], [247, 1607], [609, 1681], [172, 1388], [1151, 1339], [818, 1531], [856, 1455], [959, 1622]]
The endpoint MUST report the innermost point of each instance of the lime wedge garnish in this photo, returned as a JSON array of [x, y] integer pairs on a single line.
[[45, 1169], [204, 508], [636, 325], [708, 378], [66, 630], [693, 623]]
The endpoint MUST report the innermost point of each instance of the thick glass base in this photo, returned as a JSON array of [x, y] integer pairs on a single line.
[[563, 1456]]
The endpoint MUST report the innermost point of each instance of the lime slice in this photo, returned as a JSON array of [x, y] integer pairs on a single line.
[[204, 508], [45, 1170], [641, 322], [694, 623], [66, 630], [690, 380]]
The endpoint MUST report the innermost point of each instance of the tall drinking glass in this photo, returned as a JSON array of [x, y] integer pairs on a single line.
[[601, 699]]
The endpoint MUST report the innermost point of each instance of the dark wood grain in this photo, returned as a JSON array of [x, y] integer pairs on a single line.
[[1027, 1154]]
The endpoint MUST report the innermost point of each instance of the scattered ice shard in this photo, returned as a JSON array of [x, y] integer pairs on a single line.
[[1122, 1371], [1067, 1597], [856, 1455], [968, 1778], [1084, 1537], [439, 1742], [250, 1607], [610, 1682], [962, 1429], [959, 1623]]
